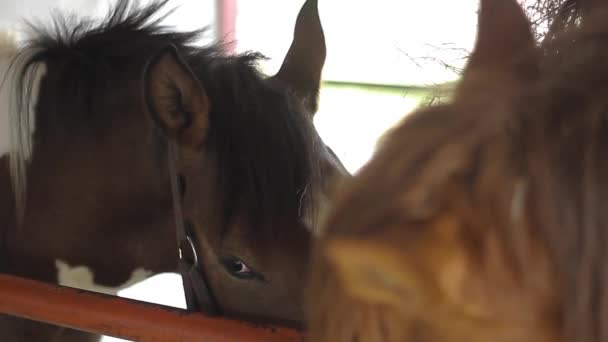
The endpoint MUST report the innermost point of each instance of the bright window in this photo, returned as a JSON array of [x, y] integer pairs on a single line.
[[399, 47]]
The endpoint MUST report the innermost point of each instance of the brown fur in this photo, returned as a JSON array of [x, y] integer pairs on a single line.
[[483, 219]]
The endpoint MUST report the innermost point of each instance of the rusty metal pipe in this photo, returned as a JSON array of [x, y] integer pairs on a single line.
[[124, 318]]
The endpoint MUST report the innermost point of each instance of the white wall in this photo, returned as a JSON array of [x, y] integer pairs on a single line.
[[382, 42], [14, 11], [190, 14]]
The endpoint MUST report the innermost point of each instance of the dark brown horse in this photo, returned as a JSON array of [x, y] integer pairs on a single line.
[[483, 219], [91, 202]]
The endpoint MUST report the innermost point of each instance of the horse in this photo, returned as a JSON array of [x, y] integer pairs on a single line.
[[85, 193], [480, 219]]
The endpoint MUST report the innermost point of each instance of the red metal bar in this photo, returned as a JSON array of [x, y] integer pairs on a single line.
[[124, 318], [226, 23]]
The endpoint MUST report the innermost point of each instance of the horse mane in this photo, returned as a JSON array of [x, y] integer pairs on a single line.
[[568, 136], [8, 51], [8, 48], [265, 158], [266, 149]]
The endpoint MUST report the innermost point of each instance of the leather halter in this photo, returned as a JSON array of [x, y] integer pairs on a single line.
[[198, 294]]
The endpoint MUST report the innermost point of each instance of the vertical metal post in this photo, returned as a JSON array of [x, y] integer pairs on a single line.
[[226, 24]]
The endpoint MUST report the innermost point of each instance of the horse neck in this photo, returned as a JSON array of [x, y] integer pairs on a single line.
[[97, 175], [87, 195]]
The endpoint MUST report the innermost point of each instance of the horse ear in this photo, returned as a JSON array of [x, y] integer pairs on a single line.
[[303, 64], [504, 38], [176, 99]]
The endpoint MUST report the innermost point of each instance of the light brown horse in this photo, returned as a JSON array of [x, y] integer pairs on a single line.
[[92, 201], [483, 219]]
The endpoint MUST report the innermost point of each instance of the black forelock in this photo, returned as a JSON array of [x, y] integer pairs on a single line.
[[266, 149]]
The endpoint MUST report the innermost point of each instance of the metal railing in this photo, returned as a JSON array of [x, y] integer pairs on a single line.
[[125, 318]]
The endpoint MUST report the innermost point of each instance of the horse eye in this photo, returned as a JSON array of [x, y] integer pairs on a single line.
[[239, 269]]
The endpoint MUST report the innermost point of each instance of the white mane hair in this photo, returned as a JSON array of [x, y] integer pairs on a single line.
[[15, 139], [8, 50]]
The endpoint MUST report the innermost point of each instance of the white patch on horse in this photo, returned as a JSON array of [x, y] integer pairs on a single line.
[[82, 277]]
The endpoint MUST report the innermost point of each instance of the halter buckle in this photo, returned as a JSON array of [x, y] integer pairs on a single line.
[[187, 252]]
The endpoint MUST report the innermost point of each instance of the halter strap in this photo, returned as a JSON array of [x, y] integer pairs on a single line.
[[198, 294]]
